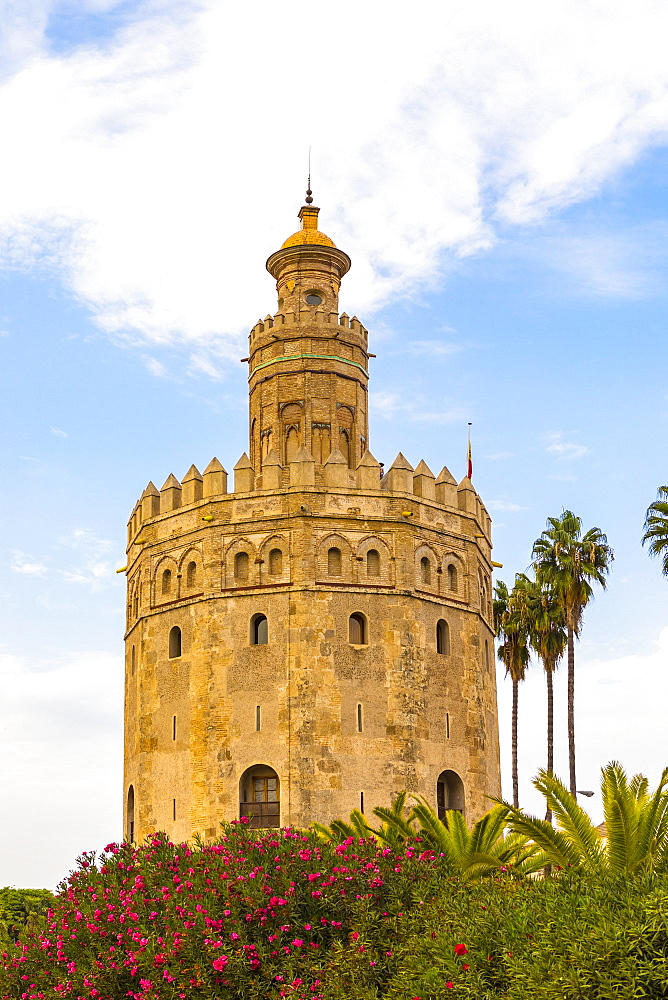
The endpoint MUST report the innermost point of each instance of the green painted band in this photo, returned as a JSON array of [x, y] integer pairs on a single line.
[[321, 357]]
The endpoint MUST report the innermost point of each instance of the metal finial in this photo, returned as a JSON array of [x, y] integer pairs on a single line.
[[309, 199]]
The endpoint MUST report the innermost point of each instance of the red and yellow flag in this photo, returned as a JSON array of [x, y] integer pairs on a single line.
[[469, 458]]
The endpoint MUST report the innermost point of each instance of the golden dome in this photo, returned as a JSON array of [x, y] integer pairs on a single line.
[[309, 233], [310, 236]]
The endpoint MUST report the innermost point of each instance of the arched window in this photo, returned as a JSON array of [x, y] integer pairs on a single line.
[[344, 443], [130, 827], [259, 797], [425, 570], [442, 637], [174, 642], [372, 563], [291, 416], [259, 634], [334, 562], [241, 566], [449, 793], [191, 574], [357, 629], [275, 562], [452, 577], [166, 581], [291, 444]]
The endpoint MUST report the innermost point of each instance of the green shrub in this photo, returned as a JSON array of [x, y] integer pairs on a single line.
[[280, 914], [18, 908]]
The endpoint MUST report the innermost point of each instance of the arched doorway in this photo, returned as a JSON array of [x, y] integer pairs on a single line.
[[259, 797], [449, 793]]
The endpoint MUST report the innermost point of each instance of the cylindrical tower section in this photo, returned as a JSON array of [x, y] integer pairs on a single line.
[[308, 364]]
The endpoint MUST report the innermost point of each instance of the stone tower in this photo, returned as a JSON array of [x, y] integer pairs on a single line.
[[319, 637]]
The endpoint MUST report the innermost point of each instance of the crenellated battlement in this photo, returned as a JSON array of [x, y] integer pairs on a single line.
[[401, 480], [336, 322]]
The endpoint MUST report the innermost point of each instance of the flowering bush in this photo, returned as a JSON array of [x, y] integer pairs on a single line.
[[279, 914], [252, 915]]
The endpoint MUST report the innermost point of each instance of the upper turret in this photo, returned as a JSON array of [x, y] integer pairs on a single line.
[[308, 268]]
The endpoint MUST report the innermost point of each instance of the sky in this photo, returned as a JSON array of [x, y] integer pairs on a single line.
[[498, 175]]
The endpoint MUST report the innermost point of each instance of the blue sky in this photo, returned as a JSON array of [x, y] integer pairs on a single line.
[[502, 193]]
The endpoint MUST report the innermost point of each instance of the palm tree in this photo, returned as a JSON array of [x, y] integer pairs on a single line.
[[569, 562], [481, 850], [656, 528], [510, 625], [547, 637], [636, 824]]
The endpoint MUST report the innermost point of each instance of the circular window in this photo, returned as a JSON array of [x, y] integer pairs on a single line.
[[313, 299]]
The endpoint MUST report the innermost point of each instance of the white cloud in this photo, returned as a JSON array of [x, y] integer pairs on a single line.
[[157, 185], [499, 456], [157, 368], [21, 563], [628, 262], [91, 569], [61, 746], [56, 431], [433, 349], [390, 405], [564, 449], [505, 506]]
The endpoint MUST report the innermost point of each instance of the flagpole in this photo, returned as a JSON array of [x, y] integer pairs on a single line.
[[469, 457]]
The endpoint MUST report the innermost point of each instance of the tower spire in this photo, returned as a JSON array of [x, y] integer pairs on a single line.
[[309, 193]]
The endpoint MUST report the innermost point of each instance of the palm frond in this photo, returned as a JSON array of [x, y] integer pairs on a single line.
[[556, 845], [571, 817]]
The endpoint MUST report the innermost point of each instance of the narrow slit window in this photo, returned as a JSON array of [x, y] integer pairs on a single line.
[[131, 815], [359, 718], [133, 659], [362, 802], [486, 654], [425, 570], [447, 725], [174, 727], [258, 719], [174, 809]]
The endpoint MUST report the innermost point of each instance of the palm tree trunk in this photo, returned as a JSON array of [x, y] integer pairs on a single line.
[[571, 708], [550, 731], [516, 796]]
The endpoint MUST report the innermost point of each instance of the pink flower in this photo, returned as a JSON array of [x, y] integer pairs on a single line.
[[220, 962], [449, 986]]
